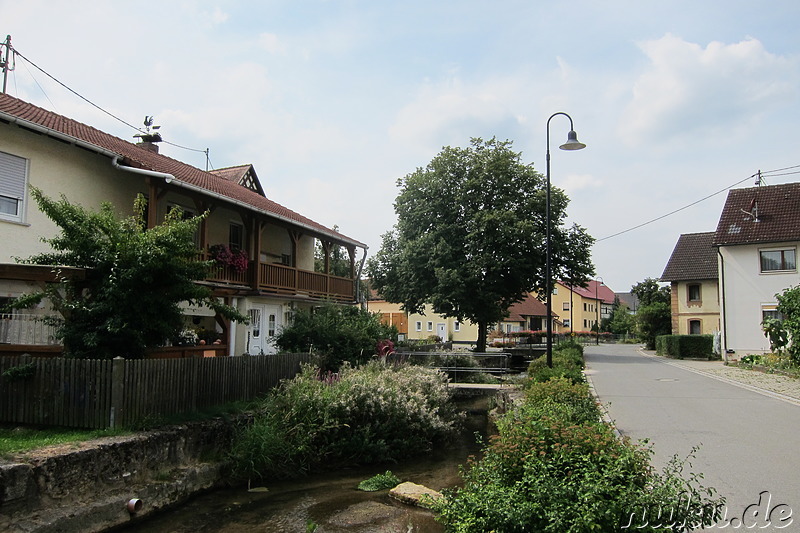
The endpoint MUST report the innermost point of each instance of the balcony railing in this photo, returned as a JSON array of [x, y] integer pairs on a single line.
[[282, 279]]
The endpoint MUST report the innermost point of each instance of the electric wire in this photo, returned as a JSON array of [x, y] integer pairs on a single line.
[[16, 52], [769, 173]]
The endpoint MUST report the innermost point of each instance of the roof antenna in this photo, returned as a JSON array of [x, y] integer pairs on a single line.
[[759, 179], [753, 210]]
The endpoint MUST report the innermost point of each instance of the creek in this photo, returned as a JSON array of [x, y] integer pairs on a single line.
[[330, 500]]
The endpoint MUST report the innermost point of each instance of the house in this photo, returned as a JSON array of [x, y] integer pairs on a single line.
[[579, 308], [529, 314], [62, 156], [693, 277], [757, 238]]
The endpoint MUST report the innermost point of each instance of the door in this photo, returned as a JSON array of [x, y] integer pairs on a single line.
[[265, 323], [441, 331]]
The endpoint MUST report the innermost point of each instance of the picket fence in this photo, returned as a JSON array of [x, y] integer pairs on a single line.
[[99, 394]]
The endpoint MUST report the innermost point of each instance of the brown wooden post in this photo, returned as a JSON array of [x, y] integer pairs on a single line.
[[295, 236]]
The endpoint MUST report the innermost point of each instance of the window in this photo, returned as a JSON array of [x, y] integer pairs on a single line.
[[566, 323], [236, 236], [693, 291], [585, 306], [777, 260], [457, 326], [430, 326], [695, 327], [770, 313], [419, 326], [13, 171], [565, 306]]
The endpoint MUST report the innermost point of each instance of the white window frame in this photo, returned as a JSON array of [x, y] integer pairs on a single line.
[[430, 326], [457, 326], [419, 325], [14, 186]]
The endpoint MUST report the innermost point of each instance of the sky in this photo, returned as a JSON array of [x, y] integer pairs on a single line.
[[334, 101]]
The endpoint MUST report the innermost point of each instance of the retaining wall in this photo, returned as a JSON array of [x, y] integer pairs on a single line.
[[86, 487]]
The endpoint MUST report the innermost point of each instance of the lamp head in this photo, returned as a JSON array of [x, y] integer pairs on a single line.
[[572, 142]]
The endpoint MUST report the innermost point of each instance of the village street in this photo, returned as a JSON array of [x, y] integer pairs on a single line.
[[746, 424]]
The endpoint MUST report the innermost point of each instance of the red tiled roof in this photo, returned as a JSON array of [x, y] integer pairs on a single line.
[[135, 156], [234, 174], [693, 258], [770, 213], [530, 306], [604, 292]]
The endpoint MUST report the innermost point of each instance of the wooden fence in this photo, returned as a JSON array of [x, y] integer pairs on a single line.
[[98, 394]]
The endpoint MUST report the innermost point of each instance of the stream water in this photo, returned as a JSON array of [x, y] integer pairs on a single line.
[[330, 500]]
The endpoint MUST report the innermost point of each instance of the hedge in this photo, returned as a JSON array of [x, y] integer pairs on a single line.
[[683, 346]]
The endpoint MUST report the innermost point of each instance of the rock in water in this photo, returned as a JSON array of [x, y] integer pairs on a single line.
[[414, 494]]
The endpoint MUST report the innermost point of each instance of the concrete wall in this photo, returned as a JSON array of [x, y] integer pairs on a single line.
[[86, 487]]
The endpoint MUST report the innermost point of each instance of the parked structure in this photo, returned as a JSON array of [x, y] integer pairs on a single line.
[[757, 239], [62, 156], [693, 277]]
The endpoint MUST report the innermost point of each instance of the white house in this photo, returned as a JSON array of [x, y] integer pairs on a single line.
[[757, 240]]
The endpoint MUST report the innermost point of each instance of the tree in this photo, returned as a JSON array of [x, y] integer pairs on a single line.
[[470, 236], [136, 279], [622, 321], [784, 332], [338, 262], [654, 316], [338, 333]]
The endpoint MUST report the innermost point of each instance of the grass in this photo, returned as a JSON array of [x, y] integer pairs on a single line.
[[21, 439]]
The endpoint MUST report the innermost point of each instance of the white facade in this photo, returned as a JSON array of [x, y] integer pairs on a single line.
[[747, 294]]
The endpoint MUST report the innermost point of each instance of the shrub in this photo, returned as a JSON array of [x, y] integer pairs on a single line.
[[373, 414], [682, 346], [553, 468], [337, 333], [567, 363]]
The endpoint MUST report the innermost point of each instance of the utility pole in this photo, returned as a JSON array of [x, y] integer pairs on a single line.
[[4, 61]]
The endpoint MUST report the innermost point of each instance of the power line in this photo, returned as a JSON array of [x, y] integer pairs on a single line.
[[16, 52], [702, 200]]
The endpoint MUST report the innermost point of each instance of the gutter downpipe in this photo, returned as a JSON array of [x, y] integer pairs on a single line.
[[724, 326]]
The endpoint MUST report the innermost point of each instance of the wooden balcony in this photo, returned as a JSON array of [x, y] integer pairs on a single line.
[[281, 279]]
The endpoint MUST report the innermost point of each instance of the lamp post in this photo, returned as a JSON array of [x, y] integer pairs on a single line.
[[571, 144], [597, 308]]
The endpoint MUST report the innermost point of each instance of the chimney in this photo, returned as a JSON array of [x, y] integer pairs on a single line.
[[150, 146], [150, 137]]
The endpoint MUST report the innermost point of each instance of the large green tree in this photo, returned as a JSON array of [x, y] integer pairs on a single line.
[[654, 315], [136, 278], [470, 236]]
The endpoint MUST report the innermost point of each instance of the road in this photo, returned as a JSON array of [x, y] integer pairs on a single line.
[[750, 442]]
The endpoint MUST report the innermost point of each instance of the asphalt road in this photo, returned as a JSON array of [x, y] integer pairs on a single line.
[[749, 442]]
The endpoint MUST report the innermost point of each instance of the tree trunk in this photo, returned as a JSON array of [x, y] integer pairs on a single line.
[[481, 344]]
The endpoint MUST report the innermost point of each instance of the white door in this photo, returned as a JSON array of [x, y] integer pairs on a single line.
[[441, 331], [265, 322], [255, 330]]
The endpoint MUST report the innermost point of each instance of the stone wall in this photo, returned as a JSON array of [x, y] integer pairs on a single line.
[[86, 487]]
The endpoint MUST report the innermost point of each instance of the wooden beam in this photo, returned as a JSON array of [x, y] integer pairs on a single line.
[[46, 273]]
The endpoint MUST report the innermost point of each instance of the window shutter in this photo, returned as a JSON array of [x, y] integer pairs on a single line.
[[12, 176]]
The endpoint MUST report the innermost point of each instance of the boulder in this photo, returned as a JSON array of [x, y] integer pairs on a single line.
[[414, 494]]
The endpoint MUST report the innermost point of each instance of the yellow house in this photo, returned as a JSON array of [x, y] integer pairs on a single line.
[[58, 155], [693, 276], [580, 308]]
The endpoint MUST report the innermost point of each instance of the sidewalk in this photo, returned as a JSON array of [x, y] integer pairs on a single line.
[[774, 385]]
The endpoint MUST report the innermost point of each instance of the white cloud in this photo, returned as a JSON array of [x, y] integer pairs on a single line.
[[271, 43], [719, 89], [576, 182]]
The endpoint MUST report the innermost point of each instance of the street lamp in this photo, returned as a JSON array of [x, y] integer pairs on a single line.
[[597, 308], [571, 144]]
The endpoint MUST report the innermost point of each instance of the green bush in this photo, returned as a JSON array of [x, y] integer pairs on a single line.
[[372, 414], [683, 346], [567, 363], [338, 333], [553, 468], [379, 482]]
